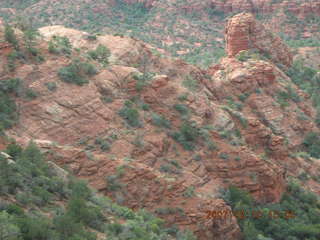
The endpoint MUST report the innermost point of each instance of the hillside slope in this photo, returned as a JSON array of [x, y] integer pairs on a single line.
[[157, 133], [189, 29]]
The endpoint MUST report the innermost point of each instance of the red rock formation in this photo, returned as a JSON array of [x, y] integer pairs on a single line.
[[74, 117], [243, 32]]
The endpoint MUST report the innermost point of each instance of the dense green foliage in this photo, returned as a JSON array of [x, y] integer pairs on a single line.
[[8, 107], [312, 144], [36, 188], [77, 72], [8, 114], [296, 217]]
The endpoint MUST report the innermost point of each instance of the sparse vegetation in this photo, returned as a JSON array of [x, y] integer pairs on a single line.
[[224, 156], [10, 36], [187, 135], [77, 72], [182, 109], [191, 83], [160, 121], [104, 144], [30, 94], [189, 192], [60, 45], [245, 55], [233, 104], [130, 114], [142, 80], [100, 54], [52, 86]]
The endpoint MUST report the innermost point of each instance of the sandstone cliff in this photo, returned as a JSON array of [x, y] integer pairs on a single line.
[[243, 32]]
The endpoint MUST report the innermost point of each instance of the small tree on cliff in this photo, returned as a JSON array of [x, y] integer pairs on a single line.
[[10, 36]]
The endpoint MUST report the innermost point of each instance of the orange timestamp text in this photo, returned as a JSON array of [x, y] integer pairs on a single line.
[[256, 214]]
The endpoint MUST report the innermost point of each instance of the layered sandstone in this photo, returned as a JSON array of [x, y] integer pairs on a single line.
[[252, 144], [243, 32]]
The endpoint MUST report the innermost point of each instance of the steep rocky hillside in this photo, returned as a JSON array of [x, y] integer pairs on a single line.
[[189, 29], [157, 133]]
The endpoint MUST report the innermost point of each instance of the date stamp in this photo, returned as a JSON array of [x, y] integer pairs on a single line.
[[255, 214]]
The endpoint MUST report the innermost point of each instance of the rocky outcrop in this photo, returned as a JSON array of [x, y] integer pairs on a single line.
[[243, 32]]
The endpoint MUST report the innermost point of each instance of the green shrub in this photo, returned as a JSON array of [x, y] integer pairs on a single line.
[[187, 135], [234, 105], [312, 144], [92, 37], [172, 167], [113, 183], [243, 121], [190, 83], [31, 94], [77, 72], [8, 111], [181, 108], [103, 143], [14, 209], [130, 115], [70, 74], [82, 213], [60, 45], [142, 80], [317, 120], [211, 146], [189, 192], [11, 59], [138, 141], [30, 36], [183, 97], [106, 99], [52, 86], [100, 54], [243, 97], [8, 229], [224, 156], [160, 121], [10, 36], [10, 85], [245, 55]]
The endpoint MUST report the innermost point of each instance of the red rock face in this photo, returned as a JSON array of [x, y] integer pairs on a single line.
[[243, 32], [74, 117]]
